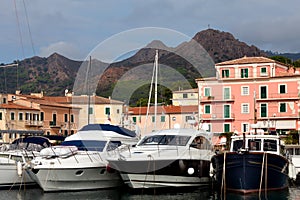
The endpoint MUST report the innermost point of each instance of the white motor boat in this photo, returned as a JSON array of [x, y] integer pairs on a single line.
[[14, 157], [167, 158], [80, 162], [293, 154]]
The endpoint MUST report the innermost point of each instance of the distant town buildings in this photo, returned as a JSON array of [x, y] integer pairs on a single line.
[[247, 95], [37, 114]]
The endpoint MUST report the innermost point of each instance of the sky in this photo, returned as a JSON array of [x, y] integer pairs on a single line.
[[74, 28]]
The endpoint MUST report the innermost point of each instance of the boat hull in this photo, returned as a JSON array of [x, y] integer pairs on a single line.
[[163, 173], [9, 176], [69, 179], [250, 172]]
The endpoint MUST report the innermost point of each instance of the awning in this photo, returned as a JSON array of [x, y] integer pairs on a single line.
[[286, 124], [23, 132]]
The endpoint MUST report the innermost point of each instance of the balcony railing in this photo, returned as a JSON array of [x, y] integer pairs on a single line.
[[216, 98], [218, 116], [33, 123], [276, 96]]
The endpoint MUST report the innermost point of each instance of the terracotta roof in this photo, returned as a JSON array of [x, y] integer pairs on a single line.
[[82, 100], [11, 105], [44, 102], [164, 109], [247, 60]]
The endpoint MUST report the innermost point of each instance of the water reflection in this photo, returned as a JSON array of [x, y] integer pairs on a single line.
[[293, 193]]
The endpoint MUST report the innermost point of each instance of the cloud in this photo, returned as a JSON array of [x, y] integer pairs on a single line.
[[64, 48]]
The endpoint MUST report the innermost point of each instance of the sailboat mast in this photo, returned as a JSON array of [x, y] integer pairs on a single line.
[[88, 88], [155, 91]]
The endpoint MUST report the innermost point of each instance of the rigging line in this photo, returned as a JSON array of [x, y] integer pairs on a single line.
[[29, 30], [19, 28]]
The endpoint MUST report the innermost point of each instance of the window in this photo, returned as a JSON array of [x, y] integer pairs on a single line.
[[226, 128], [134, 119], [107, 111], [27, 116], [188, 118], [162, 118], [208, 128], [66, 117], [245, 108], [282, 107], [263, 92], [245, 128], [12, 116], [263, 110], [0, 115], [244, 73], [207, 92], [42, 116], [263, 71], [153, 118], [185, 95], [225, 73], [4, 100], [20, 116], [245, 90], [226, 93], [226, 111], [282, 89], [118, 111], [72, 118], [270, 145], [207, 109], [54, 119], [91, 111]]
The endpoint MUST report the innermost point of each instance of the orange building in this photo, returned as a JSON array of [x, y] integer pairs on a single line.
[[250, 93], [32, 114]]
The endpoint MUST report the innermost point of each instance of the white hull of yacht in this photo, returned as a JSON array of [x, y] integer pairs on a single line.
[[75, 178], [9, 176], [158, 181]]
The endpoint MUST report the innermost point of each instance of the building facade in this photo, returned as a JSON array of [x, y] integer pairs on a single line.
[[93, 109], [251, 93], [33, 115], [185, 97], [167, 117]]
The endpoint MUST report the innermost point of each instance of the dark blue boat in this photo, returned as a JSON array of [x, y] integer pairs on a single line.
[[253, 164]]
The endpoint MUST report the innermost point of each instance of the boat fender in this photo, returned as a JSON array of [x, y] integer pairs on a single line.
[[191, 171], [214, 162], [182, 165], [19, 168], [109, 169]]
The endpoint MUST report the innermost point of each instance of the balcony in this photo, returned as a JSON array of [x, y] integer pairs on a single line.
[[54, 124], [217, 117], [217, 98], [276, 97], [34, 123]]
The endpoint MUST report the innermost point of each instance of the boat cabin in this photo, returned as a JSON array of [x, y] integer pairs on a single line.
[[258, 143]]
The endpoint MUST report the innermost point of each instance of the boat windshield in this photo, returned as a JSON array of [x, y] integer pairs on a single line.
[[86, 145], [173, 140]]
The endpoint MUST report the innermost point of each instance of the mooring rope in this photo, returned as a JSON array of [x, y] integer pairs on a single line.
[[261, 175], [223, 184]]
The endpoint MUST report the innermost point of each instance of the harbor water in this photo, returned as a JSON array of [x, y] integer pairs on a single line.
[[292, 193]]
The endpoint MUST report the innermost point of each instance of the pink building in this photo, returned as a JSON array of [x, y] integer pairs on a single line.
[[251, 92]]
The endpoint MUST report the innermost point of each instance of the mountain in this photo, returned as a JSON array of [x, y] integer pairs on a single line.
[[292, 56], [220, 46], [51, 75], [56, 73]]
